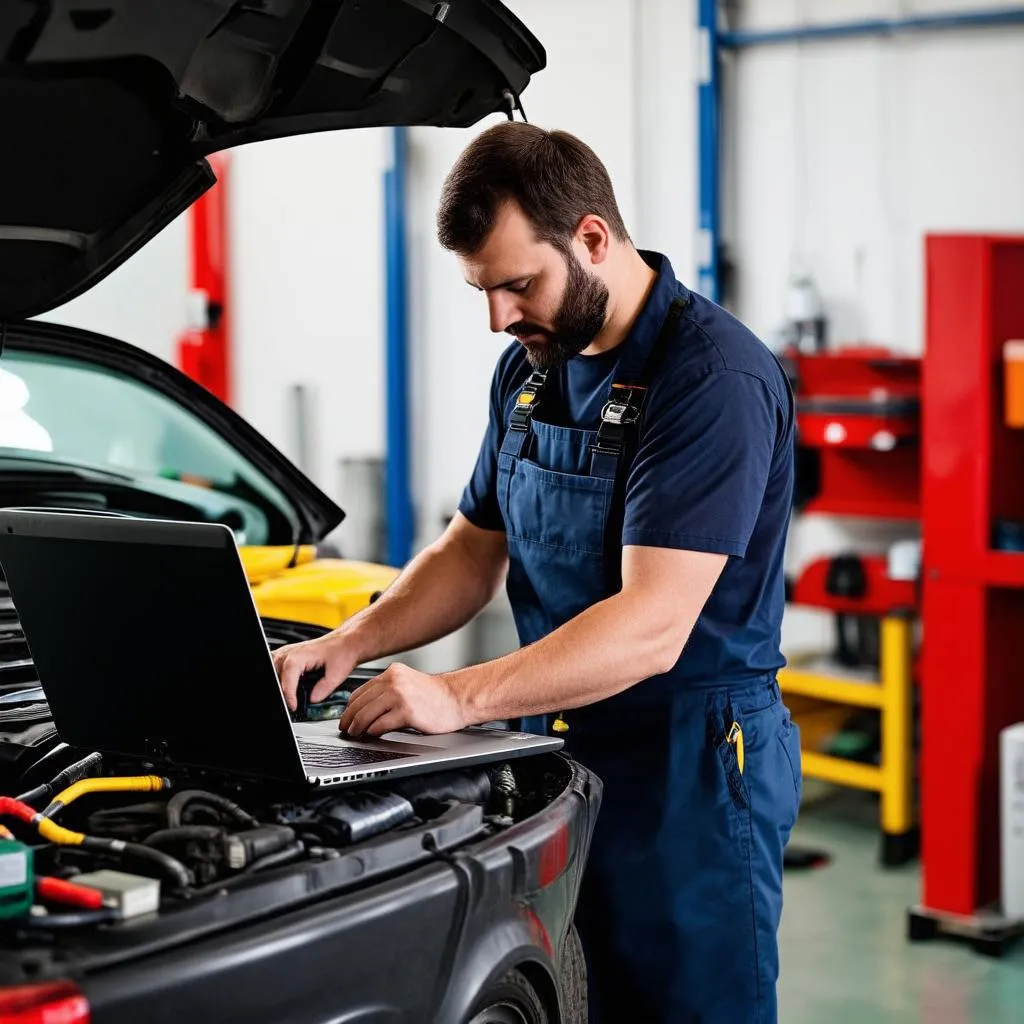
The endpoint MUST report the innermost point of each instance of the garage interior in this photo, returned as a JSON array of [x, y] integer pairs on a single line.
[[847, 178]]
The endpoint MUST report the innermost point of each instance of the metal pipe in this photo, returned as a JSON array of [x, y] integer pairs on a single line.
[[708, 148], [398, 507], [871, 27]]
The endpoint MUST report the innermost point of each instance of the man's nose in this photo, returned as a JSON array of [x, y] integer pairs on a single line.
[[504, 311]]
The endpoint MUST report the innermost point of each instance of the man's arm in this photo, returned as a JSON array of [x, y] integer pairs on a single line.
[[637, 633], [439, 591]]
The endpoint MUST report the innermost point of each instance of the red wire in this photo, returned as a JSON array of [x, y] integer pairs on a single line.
[[16, 809], [60, 891]]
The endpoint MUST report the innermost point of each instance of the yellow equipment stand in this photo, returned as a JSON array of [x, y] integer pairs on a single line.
[[892, 694]]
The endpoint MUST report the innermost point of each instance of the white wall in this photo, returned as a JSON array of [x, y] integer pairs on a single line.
[[143, 301], [843, 155], [307, 270]]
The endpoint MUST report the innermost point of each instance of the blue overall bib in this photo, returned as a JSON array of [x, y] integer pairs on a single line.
[[682, 895]]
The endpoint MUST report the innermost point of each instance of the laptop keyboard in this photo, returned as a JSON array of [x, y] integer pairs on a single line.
[[323, 755]]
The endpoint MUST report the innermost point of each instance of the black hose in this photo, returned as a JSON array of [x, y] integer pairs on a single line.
[[281, 857], [167, 864], [71, 774], [74, 920], [185, 834], [176, 806]]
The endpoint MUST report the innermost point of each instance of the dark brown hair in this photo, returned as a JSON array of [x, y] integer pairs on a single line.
[[554, 177]]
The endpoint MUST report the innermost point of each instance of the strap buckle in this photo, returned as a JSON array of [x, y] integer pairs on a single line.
[[620, 413], [527, 401]]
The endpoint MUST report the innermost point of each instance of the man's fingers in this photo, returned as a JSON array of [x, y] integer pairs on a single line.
[[363, 717], [290, 672], [323, 689], [368, 691], [388, 722]]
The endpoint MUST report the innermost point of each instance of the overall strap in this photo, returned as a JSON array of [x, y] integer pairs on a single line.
[[626, 398], [517, 437]]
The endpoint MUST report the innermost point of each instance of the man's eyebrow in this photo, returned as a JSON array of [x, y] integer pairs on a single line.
[[501, 284]]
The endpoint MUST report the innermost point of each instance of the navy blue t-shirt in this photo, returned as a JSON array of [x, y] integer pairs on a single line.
[[713, 470]]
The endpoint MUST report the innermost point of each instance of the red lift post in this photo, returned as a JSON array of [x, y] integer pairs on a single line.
[[204, 350], [972, 677]]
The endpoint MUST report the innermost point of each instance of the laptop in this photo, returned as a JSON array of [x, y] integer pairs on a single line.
[[148, 644]]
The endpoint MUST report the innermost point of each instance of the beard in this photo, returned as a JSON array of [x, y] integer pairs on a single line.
[[580, 317]]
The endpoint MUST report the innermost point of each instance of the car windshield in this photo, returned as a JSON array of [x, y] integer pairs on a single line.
[[58, 412]]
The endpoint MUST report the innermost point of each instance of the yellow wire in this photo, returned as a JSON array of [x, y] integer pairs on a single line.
[[58, 834], [128, 783]]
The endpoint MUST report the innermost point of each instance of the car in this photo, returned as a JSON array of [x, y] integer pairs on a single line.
[[441, 898], [90, 422]]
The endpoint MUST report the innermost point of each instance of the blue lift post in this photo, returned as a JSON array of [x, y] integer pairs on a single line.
[[709, 149], [713, 41], [398, 492]]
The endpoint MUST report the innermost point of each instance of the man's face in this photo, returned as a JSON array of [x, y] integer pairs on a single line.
[[543, 297]]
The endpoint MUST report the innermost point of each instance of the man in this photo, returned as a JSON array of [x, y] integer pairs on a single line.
[[635, 482]]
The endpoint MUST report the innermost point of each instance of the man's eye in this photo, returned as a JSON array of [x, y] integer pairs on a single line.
[[518, 289]]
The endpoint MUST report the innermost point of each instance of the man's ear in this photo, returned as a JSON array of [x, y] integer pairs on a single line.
[[595, 236]]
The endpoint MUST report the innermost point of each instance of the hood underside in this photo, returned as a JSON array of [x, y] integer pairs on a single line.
[[109, 107]]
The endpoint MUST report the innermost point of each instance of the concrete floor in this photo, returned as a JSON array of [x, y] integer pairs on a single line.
[[845, 959]]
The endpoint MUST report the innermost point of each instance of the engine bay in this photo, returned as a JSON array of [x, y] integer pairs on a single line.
[[98, 861], [92, 863]]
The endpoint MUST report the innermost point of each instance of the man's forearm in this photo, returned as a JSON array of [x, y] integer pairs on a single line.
[[604, 650], [439, 591]]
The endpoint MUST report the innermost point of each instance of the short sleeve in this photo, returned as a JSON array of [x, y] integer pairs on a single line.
[[700, 473], [479, 501]]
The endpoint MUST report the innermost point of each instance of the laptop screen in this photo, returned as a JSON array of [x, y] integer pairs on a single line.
[[147, 641]]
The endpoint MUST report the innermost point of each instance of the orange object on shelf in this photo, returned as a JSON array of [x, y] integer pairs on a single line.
[[1013, 382]]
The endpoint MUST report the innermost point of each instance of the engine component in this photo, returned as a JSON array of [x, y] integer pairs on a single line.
[[245, 848], [130, 822], [70, 775], [504, 782], [55, 833], [129, 895], [180, 801], [350, 817], [16, 885], [430, 795], [126, 784]]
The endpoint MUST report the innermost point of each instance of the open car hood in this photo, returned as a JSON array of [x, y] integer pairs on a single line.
[[109, 107]]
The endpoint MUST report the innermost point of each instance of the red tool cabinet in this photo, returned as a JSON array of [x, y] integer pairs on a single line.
[[973, 595]]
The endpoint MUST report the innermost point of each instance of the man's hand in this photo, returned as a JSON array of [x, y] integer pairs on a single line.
[[401, 698], [333, 653]]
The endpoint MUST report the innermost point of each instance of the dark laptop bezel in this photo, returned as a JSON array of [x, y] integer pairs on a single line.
[[270, 749]]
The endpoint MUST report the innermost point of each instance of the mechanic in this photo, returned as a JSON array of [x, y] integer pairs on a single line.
[[635, 482]]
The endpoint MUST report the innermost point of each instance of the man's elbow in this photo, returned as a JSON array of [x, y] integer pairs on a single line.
[[665, 653]]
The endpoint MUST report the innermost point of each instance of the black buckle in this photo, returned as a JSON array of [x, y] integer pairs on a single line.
[[527, 401], [620, 413]]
